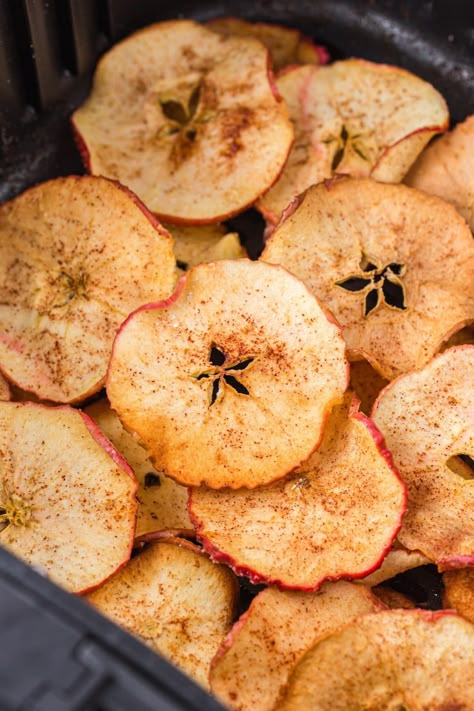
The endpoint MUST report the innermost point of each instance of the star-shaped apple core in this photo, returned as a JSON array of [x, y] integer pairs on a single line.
[[223, 373], [380, 284], [343, 141]]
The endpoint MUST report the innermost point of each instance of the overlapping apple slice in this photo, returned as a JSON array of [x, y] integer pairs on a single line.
[[203, 243], [459, 591], [445, 169], [366, 383], [162, 502], [4, 389], [189, 119], [397, 560], [360, 118], [230, 381], [175, 600], [77, 255], [287, 46], [393, 599], [67, 501], [399, 659], [427, 420], [255, 660], [394, 265], [335, 516]]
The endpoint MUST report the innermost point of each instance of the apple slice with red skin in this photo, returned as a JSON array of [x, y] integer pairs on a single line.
[[162, 502], [85, 253], [426, 419], [366, 250], [398, 659], [173, 598], [445, 169], [257, 656], [459, 591], [206, 379], [397, 560], [194, 244], [189, 119], [333, 517], [287, 46], [67, 497]]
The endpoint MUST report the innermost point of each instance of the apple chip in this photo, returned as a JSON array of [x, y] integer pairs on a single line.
[[393, 599], [445, 169], [286, 46], [394, 265], [398, 659], [189, 119], [77, 255], [366, 383], [175, 600], [335, 516], [460, 338], [255, 660], [4, 389], [204, 243], [427, 420], [230, 381], [397, 560], [459, 591], [162, 502], [67, 501]]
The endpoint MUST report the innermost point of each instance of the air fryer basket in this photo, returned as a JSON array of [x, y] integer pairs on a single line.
[[56, 653]]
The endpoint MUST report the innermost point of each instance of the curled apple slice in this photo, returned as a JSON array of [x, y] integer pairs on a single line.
[[397, 560], [67, 499], [445, 169], [255, 660], [459, 591], [188, 119], [204, 243], [389, 660], [230, 381], [366, 249], [77, 255], [335, 516], [287, 46], [162, 502], [175, 600], [426, 419]]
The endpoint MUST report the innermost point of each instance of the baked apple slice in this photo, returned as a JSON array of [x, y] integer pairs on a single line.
[[445, 169], [189, 119], [4, 389], [77, 255], [393, 599], [230, 381], [335, 516], [257, 656], [162, 502], [459, 591], [67, 501], [397, 560], [203, 243], [175, 600], [398, 659], [366, 383], [394, 265], [426, 419]]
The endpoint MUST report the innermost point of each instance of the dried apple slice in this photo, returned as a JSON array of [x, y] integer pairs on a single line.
[[459, 591], [366, 249], [240, 352], [426, 418], [393, 599], [175, 600], [4, 389], [77, 255], [204, 243], [189, 119], [335, 516], [366, 383], [462, 337], [255, 660], [67, 499], [445, 169], [162, 502], [397, 560], [287, 46], [362, 119], [399, 659]]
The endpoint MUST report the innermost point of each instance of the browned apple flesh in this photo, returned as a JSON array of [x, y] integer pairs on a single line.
[[77, 255], [162, 502], [4, 389], [397, 560], [255, 660], [188, 119], [445, 169], [334, 516], [462, 337], [287, 46], [394, 265], [427, 421], [459, 591], [194, 244], [393, 599], [398, 659], [361, 119], [366, 383], [67, 498], [230, 381], [176, 601]]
